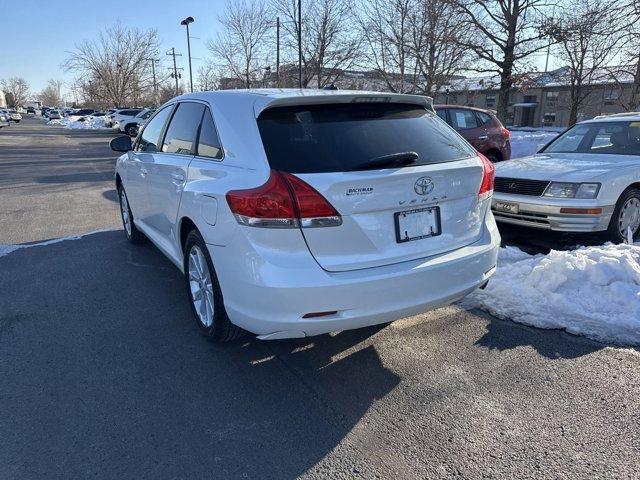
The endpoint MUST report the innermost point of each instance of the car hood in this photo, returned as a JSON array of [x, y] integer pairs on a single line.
[[567, 167]]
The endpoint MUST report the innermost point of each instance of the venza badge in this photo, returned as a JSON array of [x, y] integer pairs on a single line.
[[423, 186]]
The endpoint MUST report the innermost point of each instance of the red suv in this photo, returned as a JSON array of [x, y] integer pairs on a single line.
[[481, 128]]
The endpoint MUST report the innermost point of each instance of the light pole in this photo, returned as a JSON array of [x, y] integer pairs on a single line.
[[186, 23], [299, 43]]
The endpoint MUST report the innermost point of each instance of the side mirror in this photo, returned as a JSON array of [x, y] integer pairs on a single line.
[[121, 144]]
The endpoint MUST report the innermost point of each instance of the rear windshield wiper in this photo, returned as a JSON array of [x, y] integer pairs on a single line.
[[401, 159]]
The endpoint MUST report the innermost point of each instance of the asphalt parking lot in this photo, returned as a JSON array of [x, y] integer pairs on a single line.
[[103, 373]]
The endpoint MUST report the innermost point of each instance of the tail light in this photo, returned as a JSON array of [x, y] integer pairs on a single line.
[[506, 133], [284, 201], [488, 176]]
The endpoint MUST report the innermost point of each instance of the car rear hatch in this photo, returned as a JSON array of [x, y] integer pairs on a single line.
[[404, 183]]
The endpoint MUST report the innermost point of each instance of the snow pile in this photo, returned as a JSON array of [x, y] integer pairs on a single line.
[[90, 123], [59, 121], [525, 143], [591, 291]]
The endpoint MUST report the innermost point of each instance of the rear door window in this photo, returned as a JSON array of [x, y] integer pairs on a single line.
[[483, 118], [344, 137], [463, 119], [208, 142], [183, 128]]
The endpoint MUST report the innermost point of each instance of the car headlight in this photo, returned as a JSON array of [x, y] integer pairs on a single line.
[[572, 190]]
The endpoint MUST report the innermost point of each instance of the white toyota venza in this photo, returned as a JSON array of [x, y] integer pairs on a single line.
[[294, 213]]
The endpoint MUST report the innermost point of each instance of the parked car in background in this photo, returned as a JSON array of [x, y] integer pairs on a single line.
[[31, 110], [14, 116], [83, 112], [4, 122], [585, 180], [11, 115], [121, 114], [296, 213], [131, 125], [44, 111], [481, 128], [54, 115]]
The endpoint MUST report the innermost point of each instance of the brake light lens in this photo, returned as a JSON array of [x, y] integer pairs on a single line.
[[488, 176], [284, 201], [506, 133]]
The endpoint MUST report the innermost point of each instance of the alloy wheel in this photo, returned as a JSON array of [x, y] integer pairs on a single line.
[[201, 286], [629, 217]]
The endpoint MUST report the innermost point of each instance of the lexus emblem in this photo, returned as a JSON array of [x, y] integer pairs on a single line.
[[423, 186], [513, 186]]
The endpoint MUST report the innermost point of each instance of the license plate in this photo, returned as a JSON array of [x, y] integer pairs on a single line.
[[506, 207], [417, 224]]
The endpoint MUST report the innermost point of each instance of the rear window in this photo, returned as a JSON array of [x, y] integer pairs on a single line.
[[342, 137]]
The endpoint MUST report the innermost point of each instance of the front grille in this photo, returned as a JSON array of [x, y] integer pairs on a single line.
[[520, 186], [538, 218]]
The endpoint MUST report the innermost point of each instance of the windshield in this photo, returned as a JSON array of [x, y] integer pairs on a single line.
[[344, 137], [617, 138]]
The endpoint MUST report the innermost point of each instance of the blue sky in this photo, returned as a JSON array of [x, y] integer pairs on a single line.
[[37, 34]]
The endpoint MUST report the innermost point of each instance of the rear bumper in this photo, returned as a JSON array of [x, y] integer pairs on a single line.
[[541, 213], [272, 304]]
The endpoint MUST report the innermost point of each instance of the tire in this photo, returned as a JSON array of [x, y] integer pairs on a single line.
[[204, 293], [131, 129], [627, 211], [134, 235], [493, 157]]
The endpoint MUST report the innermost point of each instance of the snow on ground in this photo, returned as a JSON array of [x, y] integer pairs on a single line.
[[591, 291], [525, 143], [90, 123]]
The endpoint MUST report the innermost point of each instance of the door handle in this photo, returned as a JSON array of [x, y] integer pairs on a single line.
[[483, 137]]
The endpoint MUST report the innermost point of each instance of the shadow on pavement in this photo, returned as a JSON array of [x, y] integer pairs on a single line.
[[104, 374], [553, 344], [532, 240], [111, 195]]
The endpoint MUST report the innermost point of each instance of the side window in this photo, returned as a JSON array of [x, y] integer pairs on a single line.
[[150, 136], [183, 128], [463, 119], [209, 143], [483, 118]]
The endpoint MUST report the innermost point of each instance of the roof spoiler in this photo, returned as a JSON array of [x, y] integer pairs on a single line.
[[343, 96]]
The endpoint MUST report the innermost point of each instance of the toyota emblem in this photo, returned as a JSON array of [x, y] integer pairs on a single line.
[[513, 186], [423, 186]]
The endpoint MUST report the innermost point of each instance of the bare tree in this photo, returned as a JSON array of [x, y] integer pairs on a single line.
[[16, 89], [52, 93], [330, 43], [587, 36], [630, 67], [386, 27], [505, 32], [117, 62], [241, 46], [438, 35], [208, 76]]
